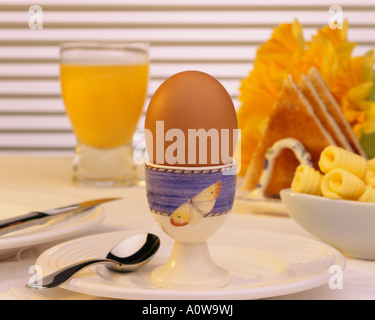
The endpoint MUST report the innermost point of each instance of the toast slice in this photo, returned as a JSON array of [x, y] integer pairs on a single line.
[[291, 117], [322, 113], [335, 110]]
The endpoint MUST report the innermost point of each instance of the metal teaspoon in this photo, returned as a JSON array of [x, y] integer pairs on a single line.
[[128, 255]]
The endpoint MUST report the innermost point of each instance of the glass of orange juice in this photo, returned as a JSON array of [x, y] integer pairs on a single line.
[[104, 86]]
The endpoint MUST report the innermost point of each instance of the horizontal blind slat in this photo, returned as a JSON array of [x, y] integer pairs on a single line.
[[21, 140], [34, 123], [176, 19], [199, 4], [39, 124], [136, 34], [163, 35], [54, 87], [157, 70], [157, 53], [30, 106]]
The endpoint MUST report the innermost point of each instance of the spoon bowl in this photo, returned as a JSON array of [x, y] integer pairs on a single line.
[[133, 252], [128, 255]]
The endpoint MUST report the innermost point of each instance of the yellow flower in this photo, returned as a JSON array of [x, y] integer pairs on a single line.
[[258, 92], [335, 36], [286, 42], [350, 79]]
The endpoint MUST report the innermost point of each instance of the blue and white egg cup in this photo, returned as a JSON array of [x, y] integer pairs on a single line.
[[190, 205]]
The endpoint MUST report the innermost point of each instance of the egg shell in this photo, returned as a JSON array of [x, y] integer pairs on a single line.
[[190, 100]]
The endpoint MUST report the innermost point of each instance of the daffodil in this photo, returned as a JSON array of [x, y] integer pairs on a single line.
[[350, 79]]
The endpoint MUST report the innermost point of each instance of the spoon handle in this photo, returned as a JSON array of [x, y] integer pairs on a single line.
[[59, 277]]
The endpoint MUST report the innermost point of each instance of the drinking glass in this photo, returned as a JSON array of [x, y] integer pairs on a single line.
[[104, 86]]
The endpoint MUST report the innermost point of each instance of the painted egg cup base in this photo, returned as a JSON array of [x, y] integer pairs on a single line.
[[190, 266]]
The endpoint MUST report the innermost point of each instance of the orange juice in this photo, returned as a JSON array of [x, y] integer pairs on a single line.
[[104, 102]]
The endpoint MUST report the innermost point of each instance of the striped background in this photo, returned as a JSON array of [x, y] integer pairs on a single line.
[[219, 37]]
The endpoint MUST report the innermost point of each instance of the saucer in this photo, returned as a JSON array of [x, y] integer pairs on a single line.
[[261, 264], [13, 203]]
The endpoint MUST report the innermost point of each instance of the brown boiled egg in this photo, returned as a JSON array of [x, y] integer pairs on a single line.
[[191, 122]]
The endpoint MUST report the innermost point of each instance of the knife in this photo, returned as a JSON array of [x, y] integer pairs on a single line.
[[39, 217]]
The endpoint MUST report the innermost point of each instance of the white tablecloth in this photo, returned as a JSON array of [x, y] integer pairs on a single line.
[[40, 174]]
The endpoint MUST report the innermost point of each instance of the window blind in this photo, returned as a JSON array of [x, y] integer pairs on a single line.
[[215, 36]]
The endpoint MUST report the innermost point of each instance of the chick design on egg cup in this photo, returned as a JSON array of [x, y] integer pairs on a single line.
[[190, 205]]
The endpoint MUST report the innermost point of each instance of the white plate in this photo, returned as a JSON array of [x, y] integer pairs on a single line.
[[245, 203], [262, 264], [242, 204], [13, 203]]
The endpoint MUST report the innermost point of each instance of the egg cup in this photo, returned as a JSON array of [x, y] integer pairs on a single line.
[[190, 205]]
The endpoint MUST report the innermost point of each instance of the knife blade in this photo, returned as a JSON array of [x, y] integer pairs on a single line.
[[39, 217]]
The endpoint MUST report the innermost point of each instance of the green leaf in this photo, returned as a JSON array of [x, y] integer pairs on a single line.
[[368, 144]]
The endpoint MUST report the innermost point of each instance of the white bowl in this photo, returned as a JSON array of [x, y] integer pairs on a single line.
[[349, 226]]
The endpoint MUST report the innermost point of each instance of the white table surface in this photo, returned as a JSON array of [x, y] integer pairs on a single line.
[[46, 174]]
